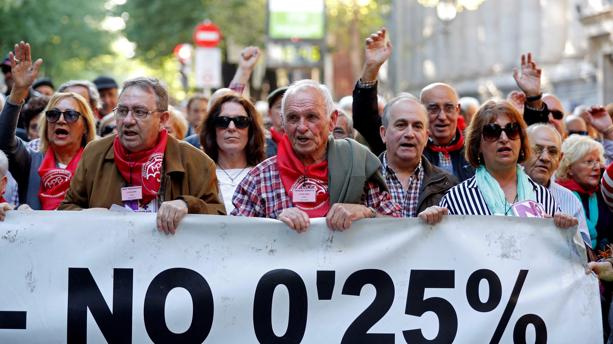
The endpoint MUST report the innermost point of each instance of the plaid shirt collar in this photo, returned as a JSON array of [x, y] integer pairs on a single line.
[[386, 169], [407, 199]]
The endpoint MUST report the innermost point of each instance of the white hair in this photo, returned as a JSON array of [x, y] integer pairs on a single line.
[[4, 164], [575, 147], [301, 85]]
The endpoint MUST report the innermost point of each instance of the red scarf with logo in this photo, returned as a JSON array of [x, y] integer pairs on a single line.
[[572, 185], [55, 181], [294, 175], [142, 168], [454, 146], [275, 135]]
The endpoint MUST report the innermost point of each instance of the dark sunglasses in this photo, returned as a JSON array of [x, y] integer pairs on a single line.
[[70, 116], [240, 122], [578, 132], [557, 114], [492, 131]]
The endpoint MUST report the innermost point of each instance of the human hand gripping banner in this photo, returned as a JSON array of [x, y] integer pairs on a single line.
[[97, 277]]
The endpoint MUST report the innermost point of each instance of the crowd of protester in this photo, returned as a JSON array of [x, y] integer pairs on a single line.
[[96, 145]]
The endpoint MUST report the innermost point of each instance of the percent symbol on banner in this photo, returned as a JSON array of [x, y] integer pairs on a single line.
[[493, 301]]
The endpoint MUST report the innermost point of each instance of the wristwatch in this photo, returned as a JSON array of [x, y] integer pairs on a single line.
[[373, 212]]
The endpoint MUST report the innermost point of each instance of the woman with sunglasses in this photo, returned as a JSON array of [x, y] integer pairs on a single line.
[[66, 126], [580, 171], [496, 143], [233, 136]]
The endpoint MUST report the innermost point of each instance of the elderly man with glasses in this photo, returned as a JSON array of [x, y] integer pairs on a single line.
[[546, 154], [143, 168]]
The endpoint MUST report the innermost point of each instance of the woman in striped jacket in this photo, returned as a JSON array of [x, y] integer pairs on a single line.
[[496, 143]]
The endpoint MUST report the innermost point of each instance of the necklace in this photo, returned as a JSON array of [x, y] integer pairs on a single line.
[[228, 174], [507, 210]]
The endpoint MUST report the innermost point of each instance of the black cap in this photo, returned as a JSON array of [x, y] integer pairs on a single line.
[[43, 82], [6, 65], [105, 82], [276, 94]]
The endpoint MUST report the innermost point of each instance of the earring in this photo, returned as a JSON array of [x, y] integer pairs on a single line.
[[522, 155], [479, 158]]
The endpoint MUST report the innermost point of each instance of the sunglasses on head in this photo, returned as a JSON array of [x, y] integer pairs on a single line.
[[70, 116], [240, 122], [492, 131], [557, 114]]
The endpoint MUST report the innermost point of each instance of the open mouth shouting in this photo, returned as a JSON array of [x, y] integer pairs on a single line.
[[61, 133]]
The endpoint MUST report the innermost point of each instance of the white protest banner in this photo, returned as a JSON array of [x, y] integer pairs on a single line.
[[96, 277]]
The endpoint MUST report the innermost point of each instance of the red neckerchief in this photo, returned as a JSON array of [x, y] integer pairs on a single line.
[[574, 186], [294, 175], [454, 146], [461, 123], [54, 181], [275, 135], [142, 168], [2, 200]]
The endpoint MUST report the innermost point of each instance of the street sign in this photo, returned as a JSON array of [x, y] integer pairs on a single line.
[[208, 68], [207, 35]]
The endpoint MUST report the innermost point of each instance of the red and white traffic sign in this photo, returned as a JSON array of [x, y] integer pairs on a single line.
[[207, 35]]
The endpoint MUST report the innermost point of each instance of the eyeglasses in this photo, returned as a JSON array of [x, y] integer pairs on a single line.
[[591, 163], [578, 132], [240, 122], [557, 114], [434, 109], [70, 116], [122, 112], [551, 150], [492, 131]]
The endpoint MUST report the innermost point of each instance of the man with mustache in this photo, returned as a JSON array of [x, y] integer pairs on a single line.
[[415, 184], [143, 168], [312, 174], [546, 154]]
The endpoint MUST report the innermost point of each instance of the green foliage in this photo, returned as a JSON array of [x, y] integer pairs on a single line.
[[342, 14], [156, 26], [66, 34]]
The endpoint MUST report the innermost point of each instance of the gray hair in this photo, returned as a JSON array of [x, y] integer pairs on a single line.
[[4, 164], [94, 95], [466, 102], [385, 120], [301, 85], [150, 85], [534, 127], [342, 113]]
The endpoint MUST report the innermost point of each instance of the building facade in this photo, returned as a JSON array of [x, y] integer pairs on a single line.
[[476, 52]]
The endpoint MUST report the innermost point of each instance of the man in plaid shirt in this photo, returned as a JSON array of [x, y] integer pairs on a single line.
[[414, 183], [314, 175]]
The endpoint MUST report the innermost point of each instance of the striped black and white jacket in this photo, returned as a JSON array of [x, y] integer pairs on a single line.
[[466, 199]]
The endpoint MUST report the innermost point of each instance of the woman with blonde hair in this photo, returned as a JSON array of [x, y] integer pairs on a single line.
[[66, 126], [580, 171]]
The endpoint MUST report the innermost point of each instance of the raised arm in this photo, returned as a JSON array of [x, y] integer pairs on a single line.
[[248, 60], [365, 111], [528, 79], [24, 73]]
